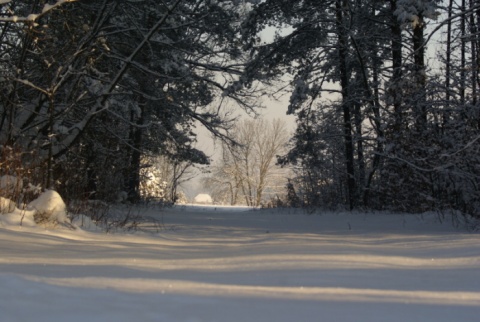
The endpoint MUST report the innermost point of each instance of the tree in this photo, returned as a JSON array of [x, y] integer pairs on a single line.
[[360, 77], [317, 159], [160, 178], [248, 168], [334, 47], [104, 83]]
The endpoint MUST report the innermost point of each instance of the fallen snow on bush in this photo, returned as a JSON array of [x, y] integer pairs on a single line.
[[234, 264], [50, 206]]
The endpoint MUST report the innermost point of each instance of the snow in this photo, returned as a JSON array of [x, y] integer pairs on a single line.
[[203, 198], [51, 205], [212, 263]]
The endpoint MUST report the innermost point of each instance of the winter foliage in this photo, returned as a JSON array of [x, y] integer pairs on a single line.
[[383, 122], [376, 193], [92, 88], [96, 93]]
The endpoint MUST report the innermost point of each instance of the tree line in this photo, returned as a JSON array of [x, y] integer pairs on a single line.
[[92, 89], [382, 122], [384, 93]]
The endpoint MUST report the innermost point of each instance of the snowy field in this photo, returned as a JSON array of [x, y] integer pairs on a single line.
[[236, 264]]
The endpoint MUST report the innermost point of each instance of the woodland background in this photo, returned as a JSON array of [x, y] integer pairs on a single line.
[[101, 100]]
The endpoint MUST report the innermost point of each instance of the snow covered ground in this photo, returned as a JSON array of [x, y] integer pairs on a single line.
[[235, 264]]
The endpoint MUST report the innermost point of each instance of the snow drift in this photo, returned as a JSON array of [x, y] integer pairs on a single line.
[[49, 206]]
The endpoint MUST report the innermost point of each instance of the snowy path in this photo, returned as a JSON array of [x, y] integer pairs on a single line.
[[230, 264]]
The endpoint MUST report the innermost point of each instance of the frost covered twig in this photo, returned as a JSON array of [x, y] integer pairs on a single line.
[[33, 16]]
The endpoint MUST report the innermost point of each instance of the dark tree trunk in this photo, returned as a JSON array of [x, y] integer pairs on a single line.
[[396, 30], [418, 40], [136, 136], [473, 49], [448, 65], [463, 54], [341, 5]]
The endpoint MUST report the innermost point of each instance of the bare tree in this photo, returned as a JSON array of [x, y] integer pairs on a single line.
[[248, 169]]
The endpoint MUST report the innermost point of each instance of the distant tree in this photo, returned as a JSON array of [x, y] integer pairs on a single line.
[[160, 178], [248, 168]]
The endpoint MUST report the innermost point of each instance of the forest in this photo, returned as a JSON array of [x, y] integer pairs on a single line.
[[102, 99]]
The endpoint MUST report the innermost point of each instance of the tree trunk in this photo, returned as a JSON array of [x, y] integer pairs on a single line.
[[136, 139], [396, 94], [473, 58], [462, 53], [341, 5], [418, 40], [448, 66], [360, 153]]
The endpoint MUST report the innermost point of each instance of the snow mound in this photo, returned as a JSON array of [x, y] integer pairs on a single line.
[[50, 206], [203, 198], [22, 218]]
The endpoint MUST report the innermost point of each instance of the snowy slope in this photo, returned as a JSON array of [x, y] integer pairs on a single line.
[[234, 264]]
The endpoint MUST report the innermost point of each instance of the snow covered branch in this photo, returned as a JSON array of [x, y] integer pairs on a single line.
[[33, 16]]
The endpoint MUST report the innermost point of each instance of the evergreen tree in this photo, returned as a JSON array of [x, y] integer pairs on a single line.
[[104, 83]]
